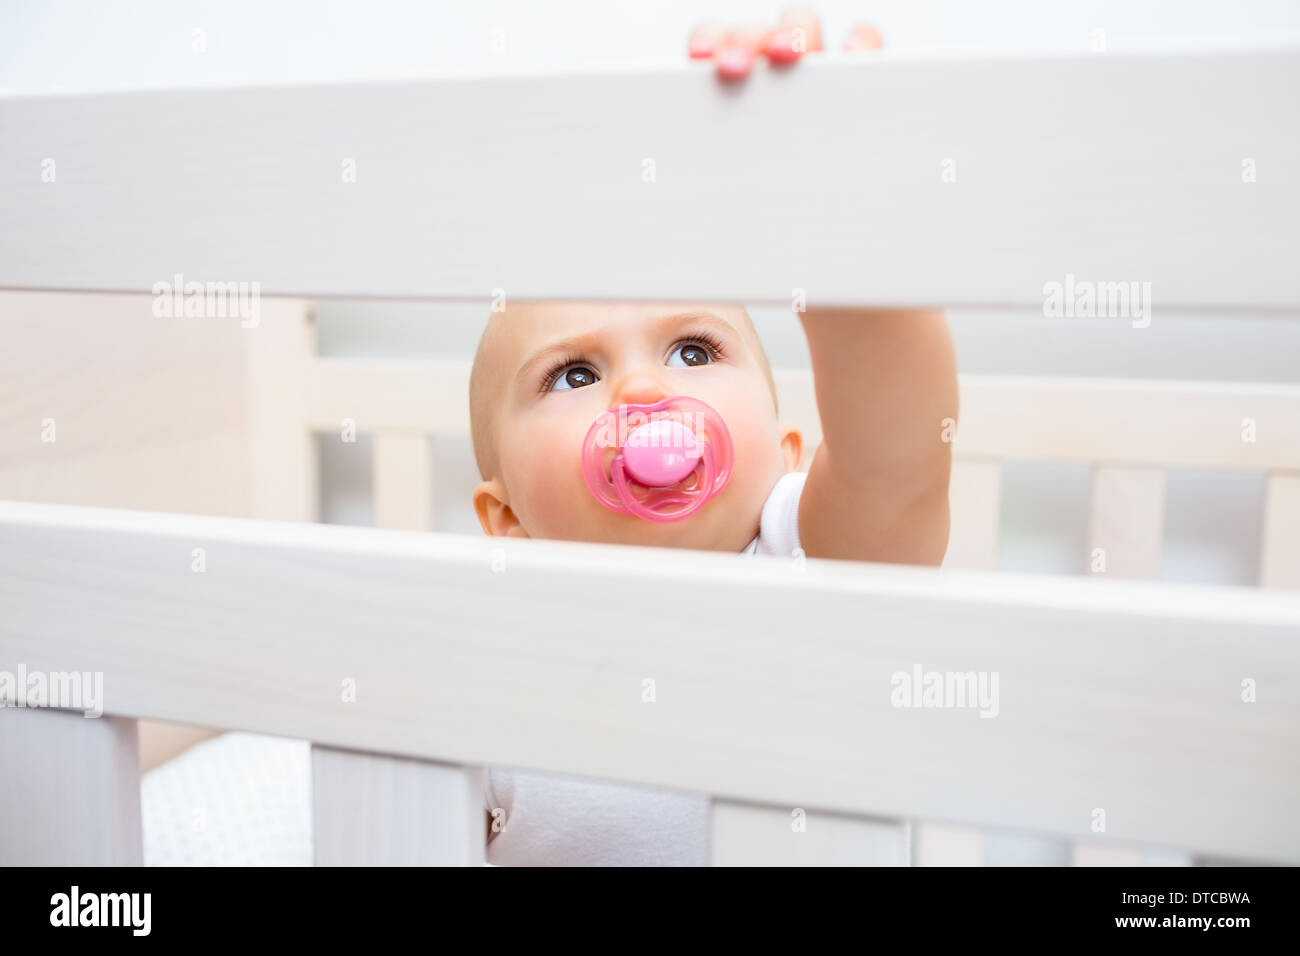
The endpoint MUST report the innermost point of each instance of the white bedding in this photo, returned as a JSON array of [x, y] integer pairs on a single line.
[[235, 800], [238, 799]]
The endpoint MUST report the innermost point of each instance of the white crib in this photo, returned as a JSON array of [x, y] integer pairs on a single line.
[[1121, 696]]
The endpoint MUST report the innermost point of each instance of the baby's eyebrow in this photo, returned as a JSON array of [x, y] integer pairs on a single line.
[[688, 318], [581, 343], [585, 343]]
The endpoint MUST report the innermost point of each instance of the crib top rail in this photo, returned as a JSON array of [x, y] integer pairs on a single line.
[[902, 180], [796, 682]]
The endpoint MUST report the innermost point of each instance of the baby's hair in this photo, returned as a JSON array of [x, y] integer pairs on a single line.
[[483, 378]]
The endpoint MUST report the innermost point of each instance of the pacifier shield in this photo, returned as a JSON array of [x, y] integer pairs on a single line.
[[671, 457]]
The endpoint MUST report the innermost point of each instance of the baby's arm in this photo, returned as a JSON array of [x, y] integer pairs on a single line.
[[877, 488], [886, 379]]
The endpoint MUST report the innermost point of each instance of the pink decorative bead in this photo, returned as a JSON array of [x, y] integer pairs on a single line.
[[661, 453]]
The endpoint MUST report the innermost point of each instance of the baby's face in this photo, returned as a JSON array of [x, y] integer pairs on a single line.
[[559, 365]]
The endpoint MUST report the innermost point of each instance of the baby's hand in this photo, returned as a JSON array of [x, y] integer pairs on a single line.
[[799, 32]]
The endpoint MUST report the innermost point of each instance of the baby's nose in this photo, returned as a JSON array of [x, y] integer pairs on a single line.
[[640, 388]]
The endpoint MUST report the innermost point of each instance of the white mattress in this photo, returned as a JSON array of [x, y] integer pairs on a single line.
[[238, 799], [234, 800]]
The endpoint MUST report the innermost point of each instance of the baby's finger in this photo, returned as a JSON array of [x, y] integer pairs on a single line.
[[705, 39], [863, 37], [800, 32], [735, 57]]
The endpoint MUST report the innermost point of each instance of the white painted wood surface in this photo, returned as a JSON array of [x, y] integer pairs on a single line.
[[428, 199], [975, 511], [1164, 424], [372, 810], [69, 786], [1015, 849], [403, 480], [1108, 854], [1126, 536], [184, 414], [416, 395], [1126, 526], [1161, 423], [1113, 694], [104, 403], [285, 475], [142, 412], [751, 835], [941, 844], [542, 185], [1280, 565]]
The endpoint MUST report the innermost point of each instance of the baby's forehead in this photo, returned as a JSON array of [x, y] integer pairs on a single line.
[[528, 326], [549, 318], [532, 322]]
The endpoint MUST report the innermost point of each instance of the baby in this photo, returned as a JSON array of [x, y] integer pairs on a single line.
[[875, 490]]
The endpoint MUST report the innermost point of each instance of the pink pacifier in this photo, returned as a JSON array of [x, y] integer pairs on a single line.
[[670, 458]]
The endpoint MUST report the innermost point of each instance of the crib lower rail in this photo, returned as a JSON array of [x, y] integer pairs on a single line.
[[822, 704], [76, 802]]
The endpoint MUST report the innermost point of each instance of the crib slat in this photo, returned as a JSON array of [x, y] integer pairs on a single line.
[[1014, 849], [939, 844], [284, 479], [975, 504], [69, 789], [1101, 854], [1280, 566], [403, 481], [746, 834], [1127, 523], [372, 810]]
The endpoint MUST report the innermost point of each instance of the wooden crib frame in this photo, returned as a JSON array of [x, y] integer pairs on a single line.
[[1126, 694]]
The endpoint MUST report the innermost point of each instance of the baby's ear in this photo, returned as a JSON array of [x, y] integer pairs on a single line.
[[494, 515], [792, 446]]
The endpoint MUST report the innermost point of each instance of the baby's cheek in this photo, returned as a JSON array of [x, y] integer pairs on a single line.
[[757, 446], [758, 462], [551, 495]]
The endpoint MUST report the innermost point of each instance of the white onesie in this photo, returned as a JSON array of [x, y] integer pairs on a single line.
[[559, 820]]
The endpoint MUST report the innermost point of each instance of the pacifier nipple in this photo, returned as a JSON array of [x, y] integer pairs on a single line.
[[661, 453], [669, 458]]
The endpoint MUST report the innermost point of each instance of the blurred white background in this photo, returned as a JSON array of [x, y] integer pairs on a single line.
[[1212, 523], [49, 45]]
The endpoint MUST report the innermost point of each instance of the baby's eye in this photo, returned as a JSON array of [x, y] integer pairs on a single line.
[[692, 354], [575, 376]]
